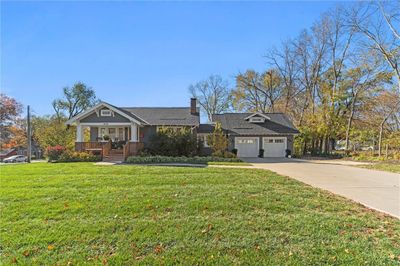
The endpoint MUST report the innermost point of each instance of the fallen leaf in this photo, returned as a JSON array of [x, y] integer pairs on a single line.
[[26, 253], [158, 249], [139, 257], [290, 253], [209, 227], [346, 250], [50, 247], [14, 260], [104, 261], [391, 256]]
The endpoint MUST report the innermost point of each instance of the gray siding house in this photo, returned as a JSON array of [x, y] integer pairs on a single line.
[[132, 127]]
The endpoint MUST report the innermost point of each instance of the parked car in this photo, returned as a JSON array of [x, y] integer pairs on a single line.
[[16, 159]]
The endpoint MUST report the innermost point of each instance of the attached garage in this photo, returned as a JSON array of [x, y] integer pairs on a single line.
[[274, 146], [247, 146]]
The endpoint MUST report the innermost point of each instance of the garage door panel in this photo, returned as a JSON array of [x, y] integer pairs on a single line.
[[274, 146], [247, 146]]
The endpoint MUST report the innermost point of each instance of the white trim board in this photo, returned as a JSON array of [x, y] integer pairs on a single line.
[[106, 124], [257, 113]]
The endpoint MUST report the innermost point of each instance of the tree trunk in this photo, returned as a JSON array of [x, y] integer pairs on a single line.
[[349, 122], [380, 139], [320, 145]]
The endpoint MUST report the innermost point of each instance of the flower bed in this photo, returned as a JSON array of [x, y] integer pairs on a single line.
[[183, 159]]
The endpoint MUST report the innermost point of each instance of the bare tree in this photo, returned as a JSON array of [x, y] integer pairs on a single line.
[[378, 22], [387, 104], [284, 61], [213, 95], [257, 92], [361, 83]]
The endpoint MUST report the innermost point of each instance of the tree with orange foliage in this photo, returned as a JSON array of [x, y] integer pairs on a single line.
[[10, 110]]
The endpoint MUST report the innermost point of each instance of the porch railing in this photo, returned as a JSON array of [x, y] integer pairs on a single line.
[[83, 146], [129, 149], [107, 147], [132, 149]]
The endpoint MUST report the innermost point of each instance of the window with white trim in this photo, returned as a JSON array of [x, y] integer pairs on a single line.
[[203, 138], [257, 120], [245, 141], [105, 112]]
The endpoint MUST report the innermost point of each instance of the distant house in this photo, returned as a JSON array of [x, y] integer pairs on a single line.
[[133, 127], [7, 153]]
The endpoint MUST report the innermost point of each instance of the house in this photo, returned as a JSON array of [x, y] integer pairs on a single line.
[[250, 132], [119, 132], [7, 153]]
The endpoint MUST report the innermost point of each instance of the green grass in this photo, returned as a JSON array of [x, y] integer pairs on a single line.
[[389, 167], [230, 163], [53, 214]]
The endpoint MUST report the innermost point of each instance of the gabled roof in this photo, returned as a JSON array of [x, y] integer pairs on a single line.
[[257, 114], [162, 116], [128, 115], [165, 116], [238, 124]]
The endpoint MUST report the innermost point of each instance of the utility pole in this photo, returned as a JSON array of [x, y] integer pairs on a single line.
[[29, 136]]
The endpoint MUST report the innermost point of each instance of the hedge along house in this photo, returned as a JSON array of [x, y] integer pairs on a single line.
[[119, 132]]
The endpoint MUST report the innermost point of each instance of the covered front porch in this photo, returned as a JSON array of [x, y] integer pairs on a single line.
[[117, 140]]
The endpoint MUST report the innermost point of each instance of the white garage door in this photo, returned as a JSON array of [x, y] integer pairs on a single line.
[[247, 146], [274, 146]]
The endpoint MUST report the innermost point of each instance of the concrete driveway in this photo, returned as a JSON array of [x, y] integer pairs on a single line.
[[375, 189]]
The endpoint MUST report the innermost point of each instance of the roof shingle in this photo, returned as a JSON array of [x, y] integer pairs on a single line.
[[165, 116], [235, 124]]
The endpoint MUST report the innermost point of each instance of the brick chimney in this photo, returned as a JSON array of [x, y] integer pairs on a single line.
[[193, 106]]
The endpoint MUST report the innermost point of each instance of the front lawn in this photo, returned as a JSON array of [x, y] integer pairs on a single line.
[[79, 213], [390, 167]]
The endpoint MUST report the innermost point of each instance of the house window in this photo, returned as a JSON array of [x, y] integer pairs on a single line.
[[203, 138], [102, 132], [121, 133], [279, 141], [245, 141], [257, 120], [112, 133], [105, 112]]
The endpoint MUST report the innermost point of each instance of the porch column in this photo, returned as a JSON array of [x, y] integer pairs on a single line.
[[79, 133], [134, 136]]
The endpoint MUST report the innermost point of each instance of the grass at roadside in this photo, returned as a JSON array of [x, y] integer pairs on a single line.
[[389, 167], [125, 214]]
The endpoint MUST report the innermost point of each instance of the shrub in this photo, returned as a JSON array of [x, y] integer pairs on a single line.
[[68, 156], [182, 159], [167, 142], [217, 140], [235, 151], [223, 154], [54, 152]]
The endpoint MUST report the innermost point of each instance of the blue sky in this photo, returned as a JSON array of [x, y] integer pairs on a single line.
[[138, 53]]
